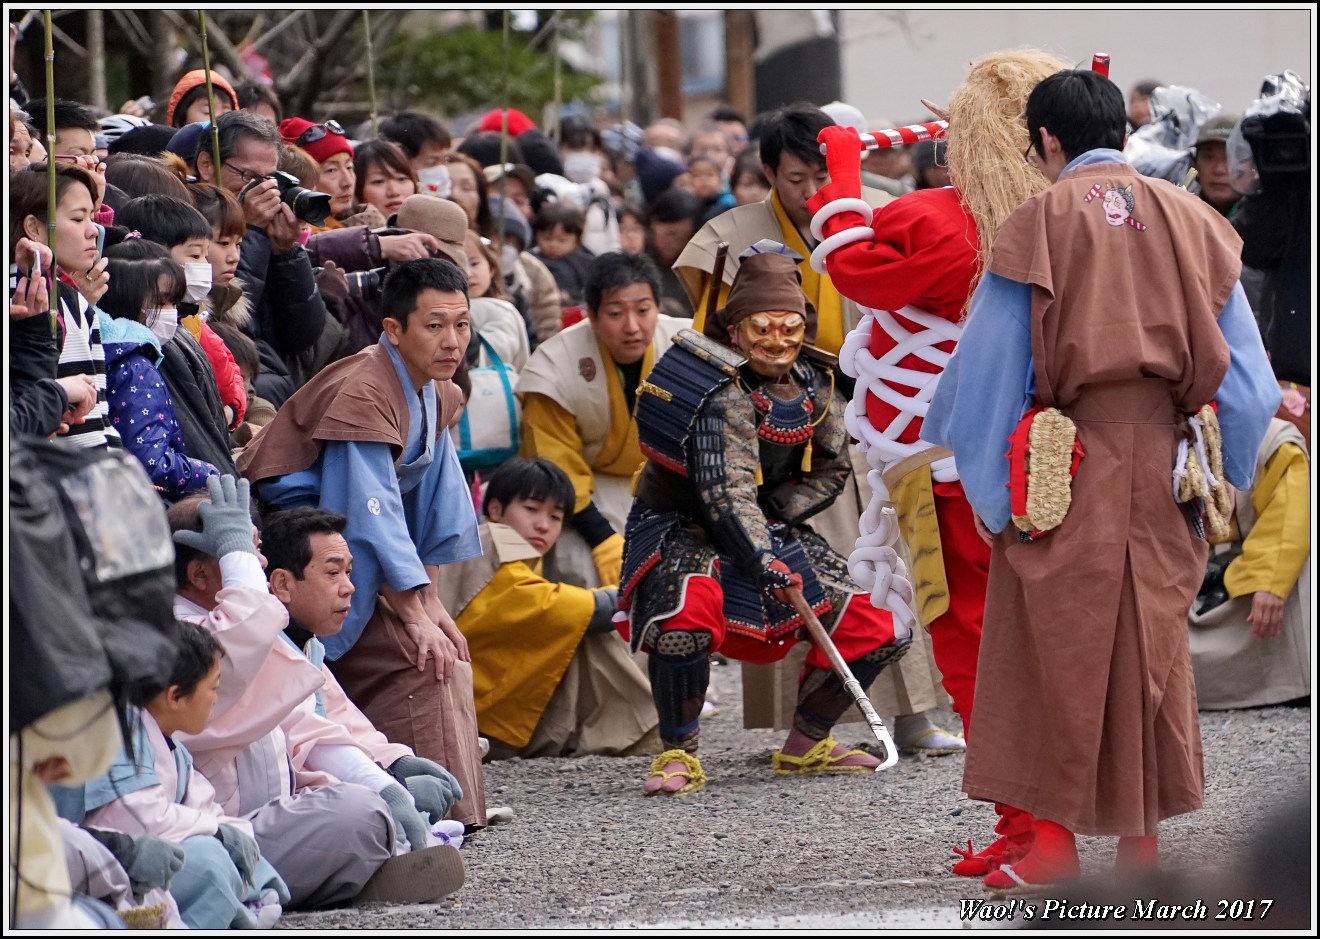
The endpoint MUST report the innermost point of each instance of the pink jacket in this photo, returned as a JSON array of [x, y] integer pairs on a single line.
[[153, 811], [266, 695]]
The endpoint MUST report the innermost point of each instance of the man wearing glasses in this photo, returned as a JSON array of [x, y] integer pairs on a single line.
[[276, 272]]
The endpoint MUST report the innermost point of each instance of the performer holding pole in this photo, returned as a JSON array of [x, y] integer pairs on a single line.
[[912, 267], [745, 442]]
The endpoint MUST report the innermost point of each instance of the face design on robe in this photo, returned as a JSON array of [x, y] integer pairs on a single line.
[[771, 341], [1118, 206]]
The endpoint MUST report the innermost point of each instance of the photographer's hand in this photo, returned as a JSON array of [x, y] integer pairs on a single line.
[[261, 202], [283, 229], [395, 249]]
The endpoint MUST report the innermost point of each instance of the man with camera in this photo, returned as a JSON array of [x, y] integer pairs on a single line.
[[288, 312]]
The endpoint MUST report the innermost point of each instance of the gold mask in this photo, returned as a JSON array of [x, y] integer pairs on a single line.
[[771, 341]]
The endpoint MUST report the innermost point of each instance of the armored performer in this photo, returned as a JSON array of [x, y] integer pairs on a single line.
[[744, 442]]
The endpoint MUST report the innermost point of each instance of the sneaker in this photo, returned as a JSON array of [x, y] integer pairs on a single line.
[[426, 876]]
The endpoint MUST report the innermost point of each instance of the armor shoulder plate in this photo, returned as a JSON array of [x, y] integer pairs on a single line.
[[669, 399]]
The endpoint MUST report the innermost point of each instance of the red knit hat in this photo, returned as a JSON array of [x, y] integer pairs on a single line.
[[291, 128], [518, 122], [190, 81]]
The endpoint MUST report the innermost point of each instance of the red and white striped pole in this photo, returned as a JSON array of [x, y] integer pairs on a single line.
[[902, 136]]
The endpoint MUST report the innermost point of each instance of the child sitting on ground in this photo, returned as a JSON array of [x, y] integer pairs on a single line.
[[557, 229], [550, 675], [153, 789]]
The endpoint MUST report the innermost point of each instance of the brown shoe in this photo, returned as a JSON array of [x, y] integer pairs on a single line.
[[426, 876]]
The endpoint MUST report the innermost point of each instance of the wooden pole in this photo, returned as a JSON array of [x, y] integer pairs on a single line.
[[669, 63], [96, 58], [740, 74], [504, 138], [559, 85]]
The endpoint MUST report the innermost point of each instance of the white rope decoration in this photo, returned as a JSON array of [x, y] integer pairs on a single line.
[[1208, 481], [862, 232], [874, 564]]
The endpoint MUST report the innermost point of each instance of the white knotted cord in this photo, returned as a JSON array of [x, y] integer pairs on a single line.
[[874, 564], [1208, 481]]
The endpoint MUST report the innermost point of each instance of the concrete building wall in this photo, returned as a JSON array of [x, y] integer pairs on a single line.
[[893, 58]]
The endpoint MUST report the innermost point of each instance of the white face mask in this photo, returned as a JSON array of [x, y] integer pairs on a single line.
[[199, 280], [508, 258], [581, 166], [434, 180], [163, 323]]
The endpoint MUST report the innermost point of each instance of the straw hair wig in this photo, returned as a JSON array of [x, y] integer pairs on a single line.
[[988, 135]]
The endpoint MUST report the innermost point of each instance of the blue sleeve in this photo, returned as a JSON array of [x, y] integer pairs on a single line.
[[441, 516], [1249, 394], [983, 392], [359, 481], [141, 410]]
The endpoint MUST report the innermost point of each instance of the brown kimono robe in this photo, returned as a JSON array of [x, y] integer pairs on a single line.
[[1085, 704]]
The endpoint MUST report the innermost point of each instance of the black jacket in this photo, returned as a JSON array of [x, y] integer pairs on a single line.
[[288, 314], [37, 403], [191, 381]]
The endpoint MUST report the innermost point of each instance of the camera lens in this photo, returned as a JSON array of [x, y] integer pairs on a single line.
[[310, 207]]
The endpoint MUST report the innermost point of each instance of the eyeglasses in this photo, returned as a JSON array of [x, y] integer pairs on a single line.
[[318, 132], [1026, 154], [88, 161], [244, 172]]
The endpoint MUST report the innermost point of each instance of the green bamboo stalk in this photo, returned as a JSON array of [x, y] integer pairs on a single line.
[[51, 200], [210, 96], [371, 71], [504, 138]]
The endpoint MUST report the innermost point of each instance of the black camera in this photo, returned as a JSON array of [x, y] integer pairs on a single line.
[[308, 206], [365, 285], [1277, 125]]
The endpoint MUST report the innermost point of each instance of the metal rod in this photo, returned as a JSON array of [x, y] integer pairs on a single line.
[[371, 71], [210, 97], [850, 683]]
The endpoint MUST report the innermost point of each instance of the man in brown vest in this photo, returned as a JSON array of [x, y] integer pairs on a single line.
[[1115, 300], [367, 438]]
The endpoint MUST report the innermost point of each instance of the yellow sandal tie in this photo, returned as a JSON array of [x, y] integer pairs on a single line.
[[817, 760], [696, 776]]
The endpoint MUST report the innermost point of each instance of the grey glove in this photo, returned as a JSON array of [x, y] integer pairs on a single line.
[[434, 789], [149, 861], [406, 817], [602, 617], [226, 521], [155, 863], [242, 850]]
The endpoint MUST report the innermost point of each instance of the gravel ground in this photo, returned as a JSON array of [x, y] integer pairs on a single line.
[[757, 851]]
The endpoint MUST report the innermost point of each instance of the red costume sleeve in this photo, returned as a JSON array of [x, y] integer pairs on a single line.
[[923, 255], [228, 378]]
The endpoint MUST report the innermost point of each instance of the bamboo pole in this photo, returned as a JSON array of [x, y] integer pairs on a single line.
[[371, 71], [559, 84], [504, 139], [210, 97], [96, 58], [51, 200]]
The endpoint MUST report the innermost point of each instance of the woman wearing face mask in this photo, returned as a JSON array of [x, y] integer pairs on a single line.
[[146, 287], [384, 177], [78, 268]]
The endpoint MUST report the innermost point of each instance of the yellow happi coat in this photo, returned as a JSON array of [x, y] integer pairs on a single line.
[[523, 632], [575, 416]]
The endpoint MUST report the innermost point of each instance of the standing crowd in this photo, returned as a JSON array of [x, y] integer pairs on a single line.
[[345, 460]]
